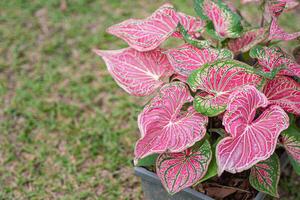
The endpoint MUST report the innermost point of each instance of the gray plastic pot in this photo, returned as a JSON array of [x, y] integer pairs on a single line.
[[153, 189]]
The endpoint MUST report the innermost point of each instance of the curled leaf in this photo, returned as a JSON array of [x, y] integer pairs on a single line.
[[164, 127], [251, 140], [272, 58], [187, 58], [138, 73], [217, 81], [284, 92], [265, 175], [227, 23], [181, 170], [277, 33]]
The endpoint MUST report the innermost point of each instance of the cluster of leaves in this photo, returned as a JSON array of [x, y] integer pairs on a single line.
[[208, 86]]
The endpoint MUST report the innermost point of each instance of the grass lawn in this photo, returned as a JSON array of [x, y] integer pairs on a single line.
[[67, 131]]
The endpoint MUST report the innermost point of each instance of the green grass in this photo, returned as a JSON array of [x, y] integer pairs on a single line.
[[67, 131]]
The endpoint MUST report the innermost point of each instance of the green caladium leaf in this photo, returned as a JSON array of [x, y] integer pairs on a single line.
[[147, 161], [264, 176], [217, 81], [227, 23], [295, 165], [291, 141], [200, 44]]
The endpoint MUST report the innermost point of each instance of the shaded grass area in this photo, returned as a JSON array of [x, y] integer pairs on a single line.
[[67, 131]]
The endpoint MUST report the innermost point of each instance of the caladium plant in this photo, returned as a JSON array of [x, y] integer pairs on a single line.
[[223, 101]]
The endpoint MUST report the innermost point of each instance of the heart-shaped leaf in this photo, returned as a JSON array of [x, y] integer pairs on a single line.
[[265, 175], [147, 34], [227, 23], [165, 127], [217, 81], [274, 57], [285, 92], [138, 73], [181, 170], [251, 140], [248, 40], [277, 33], [187, 58]]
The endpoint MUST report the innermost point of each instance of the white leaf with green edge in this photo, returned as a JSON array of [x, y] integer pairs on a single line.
[[178, 171], [217, 81], [264, 176], [291, 140], [147, 161], [227, 23]]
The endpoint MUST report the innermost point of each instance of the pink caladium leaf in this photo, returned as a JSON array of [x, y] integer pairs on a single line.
[[191, 24], [181, 170], [251, 140], [248, 40], [272, 58], [165, 127], [227, 23], [291, 141], [264, 176], [284, 92], [138, 73], [147, 34], [217, 81], [276, 7], [187, 58], [277, 33]]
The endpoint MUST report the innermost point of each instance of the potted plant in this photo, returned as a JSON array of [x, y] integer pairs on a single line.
[[224, 104]]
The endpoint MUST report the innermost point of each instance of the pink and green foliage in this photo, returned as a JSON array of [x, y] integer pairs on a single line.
[[180, 170], [265, 175], [164, 126], [251, 140], [147, 34], [284, 92], [277, 33], [248, 40], [217, 81], [138, 73], [226, 23], [187, 58], [291, 141], [224, 72], [272, 58]]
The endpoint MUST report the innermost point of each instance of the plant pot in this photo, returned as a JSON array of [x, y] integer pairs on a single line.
[[153, 189]]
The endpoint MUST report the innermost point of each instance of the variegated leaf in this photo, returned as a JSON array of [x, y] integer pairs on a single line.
[[265, 175], [291, 141], [248, 40], [271, 58], [276, 7], [187, 58], [284, 92], [217, 81], [251, 140], [138, 73], [147, 34], [181, 170], [165, 127], [191, 24], [277, 33], [227, 23]]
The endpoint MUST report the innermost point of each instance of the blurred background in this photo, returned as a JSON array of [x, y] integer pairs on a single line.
[[67, 131]]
